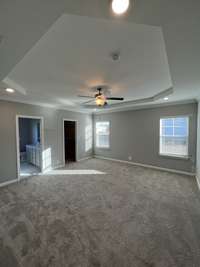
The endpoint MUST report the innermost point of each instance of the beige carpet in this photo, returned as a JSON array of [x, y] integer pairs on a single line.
[[99, 213]]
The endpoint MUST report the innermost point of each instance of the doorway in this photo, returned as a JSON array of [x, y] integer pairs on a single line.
[[29, 135], [69, 141]]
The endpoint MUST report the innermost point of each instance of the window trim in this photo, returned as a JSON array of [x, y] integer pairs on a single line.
[[175, 156], [99, 147], [86, 139]]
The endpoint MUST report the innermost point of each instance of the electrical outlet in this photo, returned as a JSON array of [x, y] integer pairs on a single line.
[[130, 158]]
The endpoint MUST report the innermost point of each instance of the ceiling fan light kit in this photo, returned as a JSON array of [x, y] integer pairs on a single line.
[[100, 99]]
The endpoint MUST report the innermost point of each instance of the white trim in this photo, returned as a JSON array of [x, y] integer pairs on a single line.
[[17, 148], [173, 156], [17, 140], [95, 137], [58, 167], [101, 111], [188, 136], [33, 103], [8, 183], [86, 158], [198, 182], [76, 134], [140, 107], [148, 166]]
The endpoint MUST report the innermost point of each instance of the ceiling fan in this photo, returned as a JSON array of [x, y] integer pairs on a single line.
[[100, 98]]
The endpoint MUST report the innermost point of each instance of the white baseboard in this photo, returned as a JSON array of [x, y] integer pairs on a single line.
[[9, 182], [86, 158], [148, 166], [62, 165], [78, 160], [198, 182]]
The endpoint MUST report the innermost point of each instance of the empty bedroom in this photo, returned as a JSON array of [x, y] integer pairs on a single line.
[[99, 133]]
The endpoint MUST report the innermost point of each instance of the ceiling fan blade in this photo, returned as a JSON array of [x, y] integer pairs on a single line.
[[87, 102], [115, 98], [86, 96], [154, 98]]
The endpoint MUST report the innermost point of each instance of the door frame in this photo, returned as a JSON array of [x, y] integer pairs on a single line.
[[17, 140], [76, 141]]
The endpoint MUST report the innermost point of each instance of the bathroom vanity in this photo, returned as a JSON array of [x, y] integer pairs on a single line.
[[33, 154]]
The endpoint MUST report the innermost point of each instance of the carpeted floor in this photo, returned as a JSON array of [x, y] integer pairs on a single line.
[[109, 215]]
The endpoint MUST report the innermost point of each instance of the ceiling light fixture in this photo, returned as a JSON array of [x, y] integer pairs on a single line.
[[119, 7], [100, 100], [10, 90], [166, 98]]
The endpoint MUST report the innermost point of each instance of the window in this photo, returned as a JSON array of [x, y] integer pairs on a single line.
[[88, 138], [103, 134], [174, 136]]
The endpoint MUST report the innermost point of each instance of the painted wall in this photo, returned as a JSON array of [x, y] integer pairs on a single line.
[[136, 133], [53, 134], [198, 146]]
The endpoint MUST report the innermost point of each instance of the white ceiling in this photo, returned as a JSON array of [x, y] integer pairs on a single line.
[[74, 55], [24, 22]]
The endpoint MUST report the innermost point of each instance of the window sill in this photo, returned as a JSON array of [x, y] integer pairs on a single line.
[[174, 156], [103, 148]]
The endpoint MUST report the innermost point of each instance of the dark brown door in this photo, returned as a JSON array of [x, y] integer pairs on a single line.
[[70, 140]]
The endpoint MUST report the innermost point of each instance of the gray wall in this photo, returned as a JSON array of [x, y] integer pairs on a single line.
[[198, 146], [53, 133], [136, 133]]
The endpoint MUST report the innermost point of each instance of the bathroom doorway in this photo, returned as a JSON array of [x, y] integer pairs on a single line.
[[29, 133]]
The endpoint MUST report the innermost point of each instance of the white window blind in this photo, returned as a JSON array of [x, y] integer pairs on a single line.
[[103, 134], [88, 137], [174, 134]]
